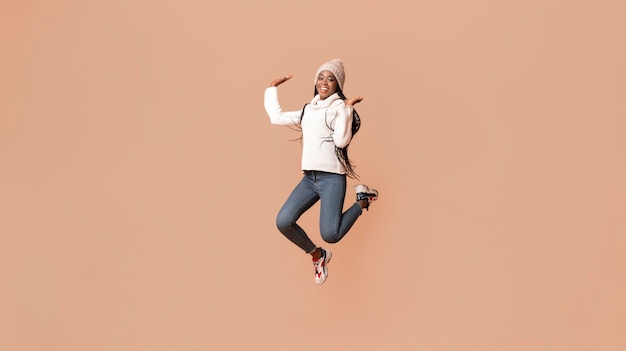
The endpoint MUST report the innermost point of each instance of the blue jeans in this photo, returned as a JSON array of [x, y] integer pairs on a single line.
[[330, 188]]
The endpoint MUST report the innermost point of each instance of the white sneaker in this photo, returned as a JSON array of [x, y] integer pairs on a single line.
[[363, 192], [321, 271]]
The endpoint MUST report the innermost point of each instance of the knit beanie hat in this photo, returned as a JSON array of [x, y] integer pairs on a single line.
[[336, 67]]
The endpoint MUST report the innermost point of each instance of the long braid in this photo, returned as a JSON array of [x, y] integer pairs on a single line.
[[342, 153]]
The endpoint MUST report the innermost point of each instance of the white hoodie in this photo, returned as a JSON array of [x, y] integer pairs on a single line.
[[326, 123]]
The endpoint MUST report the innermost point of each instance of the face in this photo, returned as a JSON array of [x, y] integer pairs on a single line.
[[326, 84]]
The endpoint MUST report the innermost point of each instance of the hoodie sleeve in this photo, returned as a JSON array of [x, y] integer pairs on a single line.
[[343, 126], [274, 111]]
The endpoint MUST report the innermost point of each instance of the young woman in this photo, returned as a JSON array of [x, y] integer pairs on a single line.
[[328, 124]]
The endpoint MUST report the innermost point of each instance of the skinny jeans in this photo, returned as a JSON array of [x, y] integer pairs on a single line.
[[330, 189]]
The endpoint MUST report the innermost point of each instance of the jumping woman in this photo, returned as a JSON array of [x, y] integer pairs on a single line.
[[328, 124]]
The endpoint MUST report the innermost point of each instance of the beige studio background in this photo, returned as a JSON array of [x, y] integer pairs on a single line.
[[140, 177]]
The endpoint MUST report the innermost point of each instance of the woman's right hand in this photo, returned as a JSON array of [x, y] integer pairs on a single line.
[[278, 81]]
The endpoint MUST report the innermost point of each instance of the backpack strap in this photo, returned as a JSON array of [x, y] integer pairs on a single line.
[[302, 114]]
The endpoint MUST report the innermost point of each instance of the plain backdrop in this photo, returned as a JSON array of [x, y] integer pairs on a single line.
[[140, 176]]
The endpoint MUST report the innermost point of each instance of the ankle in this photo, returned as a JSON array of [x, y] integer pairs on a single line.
[[317, 253], [363, 203]]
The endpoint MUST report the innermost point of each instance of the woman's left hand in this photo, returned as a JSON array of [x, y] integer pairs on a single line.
[[354, 101]]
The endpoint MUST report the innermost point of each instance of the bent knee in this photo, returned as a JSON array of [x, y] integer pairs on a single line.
[[283, 222], [330, 237]]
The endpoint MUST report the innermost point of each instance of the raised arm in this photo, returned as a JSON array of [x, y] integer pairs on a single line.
[[272, 106], [343, 124]]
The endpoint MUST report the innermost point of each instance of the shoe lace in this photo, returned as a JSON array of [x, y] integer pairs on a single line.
[[317, 263]]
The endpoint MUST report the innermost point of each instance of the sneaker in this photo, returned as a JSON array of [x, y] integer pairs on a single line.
[[321, 271], [363, 192]]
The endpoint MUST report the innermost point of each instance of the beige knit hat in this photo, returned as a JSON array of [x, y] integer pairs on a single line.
[[336, 67]]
